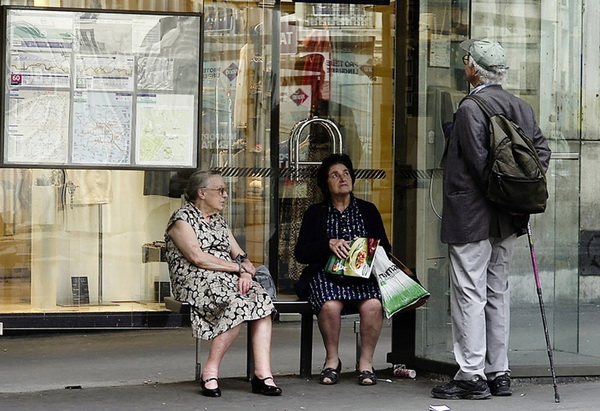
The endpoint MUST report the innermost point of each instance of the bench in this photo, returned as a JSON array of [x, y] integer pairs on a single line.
[[293, 306]]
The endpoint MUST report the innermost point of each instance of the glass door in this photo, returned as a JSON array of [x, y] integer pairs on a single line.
[[269, 66], [335, 95]]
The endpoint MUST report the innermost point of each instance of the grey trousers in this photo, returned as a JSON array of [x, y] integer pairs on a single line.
[[480, 306]]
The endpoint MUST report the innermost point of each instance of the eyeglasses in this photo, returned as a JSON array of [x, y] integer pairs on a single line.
[[222, 190], [466, 59], [337, 176]]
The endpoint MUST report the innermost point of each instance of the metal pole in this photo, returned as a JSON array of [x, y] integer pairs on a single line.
[[538, 286], [100, 255]]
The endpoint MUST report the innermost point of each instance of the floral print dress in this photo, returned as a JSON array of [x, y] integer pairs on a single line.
[[217, 304]]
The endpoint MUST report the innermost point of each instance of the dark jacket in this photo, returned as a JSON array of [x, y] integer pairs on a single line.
[[312, 247], [468, 216]]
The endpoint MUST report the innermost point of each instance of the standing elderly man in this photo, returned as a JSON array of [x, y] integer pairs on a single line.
[[480, 236]]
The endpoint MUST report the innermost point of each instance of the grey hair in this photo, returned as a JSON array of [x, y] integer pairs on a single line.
[[487, 76], [199, 179]]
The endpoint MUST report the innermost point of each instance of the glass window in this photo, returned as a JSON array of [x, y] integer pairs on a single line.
[[266, 70], [543, 45], [89, 240], [335, 95], [84, 240]]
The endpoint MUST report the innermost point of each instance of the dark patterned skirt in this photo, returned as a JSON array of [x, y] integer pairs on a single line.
[[321, 290]]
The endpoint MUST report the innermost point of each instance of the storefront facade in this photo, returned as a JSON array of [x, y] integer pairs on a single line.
[[552, 60], [285, 83]]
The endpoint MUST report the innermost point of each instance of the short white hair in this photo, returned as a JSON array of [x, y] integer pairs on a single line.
[[487, 76], [199, 179]]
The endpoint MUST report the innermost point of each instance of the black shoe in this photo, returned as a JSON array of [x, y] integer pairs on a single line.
[[331, 374], [500, 386], [210, 392], [367, 377], [259, 386], [459, 390]]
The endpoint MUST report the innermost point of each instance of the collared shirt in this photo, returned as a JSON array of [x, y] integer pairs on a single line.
[[478, 88]]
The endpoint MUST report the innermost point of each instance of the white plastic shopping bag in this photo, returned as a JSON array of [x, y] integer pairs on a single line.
[[399, 292]]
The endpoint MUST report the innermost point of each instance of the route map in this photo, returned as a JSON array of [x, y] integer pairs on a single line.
[[102, 128], [111, 72], [38, 126], [100, 88], [42, 69], [165, 126]]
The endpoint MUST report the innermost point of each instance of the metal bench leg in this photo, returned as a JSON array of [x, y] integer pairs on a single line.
[[249, 354], [198, 362], [358, 343], [306, 343]]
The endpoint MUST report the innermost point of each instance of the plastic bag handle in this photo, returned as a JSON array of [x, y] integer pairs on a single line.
[[400, 264]]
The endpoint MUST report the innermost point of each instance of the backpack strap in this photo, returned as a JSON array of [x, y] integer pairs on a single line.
[[482, 104]]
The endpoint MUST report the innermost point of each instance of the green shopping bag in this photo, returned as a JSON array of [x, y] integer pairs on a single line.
[[399, 292]]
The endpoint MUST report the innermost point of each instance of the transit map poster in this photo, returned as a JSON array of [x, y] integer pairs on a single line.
[[100, 88]]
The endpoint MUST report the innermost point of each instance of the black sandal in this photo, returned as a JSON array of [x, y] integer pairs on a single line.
[[331, 373], [367, 375]]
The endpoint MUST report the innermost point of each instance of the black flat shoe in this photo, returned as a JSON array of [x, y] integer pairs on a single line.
[[367, 377], [210, 392], [331, 374], [259, 386]]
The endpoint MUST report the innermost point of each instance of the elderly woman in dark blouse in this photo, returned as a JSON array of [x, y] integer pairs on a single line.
[[328, 228]]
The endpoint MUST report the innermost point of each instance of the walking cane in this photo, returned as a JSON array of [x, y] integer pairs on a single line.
[[538, 286]]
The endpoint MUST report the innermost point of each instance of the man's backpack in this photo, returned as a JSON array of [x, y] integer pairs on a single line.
[[517, 179]]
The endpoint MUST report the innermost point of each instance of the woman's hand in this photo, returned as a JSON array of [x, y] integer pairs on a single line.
[[249, 267], [339, 247], [245, 282]]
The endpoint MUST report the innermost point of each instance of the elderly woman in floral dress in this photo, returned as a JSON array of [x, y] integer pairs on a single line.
[[210, 271]]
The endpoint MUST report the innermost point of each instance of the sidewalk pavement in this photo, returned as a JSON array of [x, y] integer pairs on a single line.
[[154, 370]]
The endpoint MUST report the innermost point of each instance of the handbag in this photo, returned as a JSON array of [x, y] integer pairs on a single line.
[[264, 278], [399, 292]]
